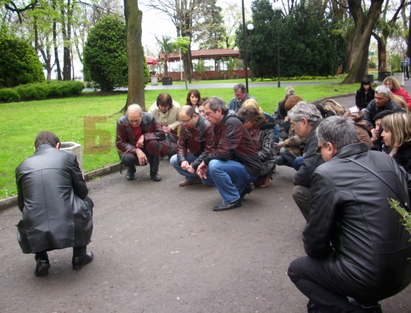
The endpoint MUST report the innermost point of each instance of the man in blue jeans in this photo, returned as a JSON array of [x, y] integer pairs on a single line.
[[232, 164]]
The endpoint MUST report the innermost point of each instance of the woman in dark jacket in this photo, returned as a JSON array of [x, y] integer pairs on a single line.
[[261, 130], [397, 135], [364, 95]]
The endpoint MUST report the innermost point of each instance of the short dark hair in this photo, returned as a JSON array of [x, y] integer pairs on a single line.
[[164, 99], [46, 138]]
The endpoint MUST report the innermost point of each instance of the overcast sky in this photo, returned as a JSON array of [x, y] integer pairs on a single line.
[[156, 24]]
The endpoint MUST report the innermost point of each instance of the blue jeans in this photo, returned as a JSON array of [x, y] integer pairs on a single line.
[[230, 178], [298, 162], [174, 162], [285, 158]]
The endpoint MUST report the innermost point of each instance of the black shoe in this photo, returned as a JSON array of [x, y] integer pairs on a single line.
[[42, 267], [228, 206], [79, 261], [130, 175], [368, 307], [155, 176], [247, 190]]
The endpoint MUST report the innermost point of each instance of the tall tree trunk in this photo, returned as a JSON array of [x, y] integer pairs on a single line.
[[56, 53], [135, 54], [67, 14], [409, 37], [364, 24]]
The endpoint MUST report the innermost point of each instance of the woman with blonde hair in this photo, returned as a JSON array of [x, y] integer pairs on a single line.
[[392, 83], [397, 135]]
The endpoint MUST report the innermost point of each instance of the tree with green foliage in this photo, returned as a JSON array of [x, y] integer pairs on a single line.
[[19, 63], [307, 43], [105, 55]]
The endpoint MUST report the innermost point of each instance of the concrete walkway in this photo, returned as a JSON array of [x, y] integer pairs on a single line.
[[160, 248]]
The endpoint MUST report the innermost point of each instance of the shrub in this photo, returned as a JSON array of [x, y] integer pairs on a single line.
[[64, 88], [105, 55], [50, 89], [19, 63], [9, 95], [32, 91]]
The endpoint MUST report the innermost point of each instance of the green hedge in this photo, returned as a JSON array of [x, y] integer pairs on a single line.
[[41, 91], [9, 95]]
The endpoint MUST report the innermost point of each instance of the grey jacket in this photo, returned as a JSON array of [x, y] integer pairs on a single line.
[[52, 195]]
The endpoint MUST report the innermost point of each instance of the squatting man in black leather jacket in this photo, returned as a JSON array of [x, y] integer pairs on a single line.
[[52, 195], [357, 249]]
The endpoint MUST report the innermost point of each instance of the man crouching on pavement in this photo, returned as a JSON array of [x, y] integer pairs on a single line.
[[138, 138], [358, 250], [52, 195], [196, 134], [232, 164]]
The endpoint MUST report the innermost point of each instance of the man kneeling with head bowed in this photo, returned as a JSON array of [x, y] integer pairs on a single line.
[[52, 195], [358, 250], [232, 163]]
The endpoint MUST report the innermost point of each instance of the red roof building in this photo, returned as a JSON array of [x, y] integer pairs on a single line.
[[215, 54]]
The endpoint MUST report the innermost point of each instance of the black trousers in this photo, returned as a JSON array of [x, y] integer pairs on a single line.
[[310, 277], [77, 251], [131, 160]]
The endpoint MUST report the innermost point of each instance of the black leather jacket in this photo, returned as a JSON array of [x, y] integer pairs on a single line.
[[51, 193], [351, 226]]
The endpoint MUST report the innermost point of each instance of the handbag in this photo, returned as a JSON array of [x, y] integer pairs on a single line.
[[22, 237]]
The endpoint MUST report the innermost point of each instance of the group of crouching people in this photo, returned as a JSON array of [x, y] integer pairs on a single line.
[[357, 249]]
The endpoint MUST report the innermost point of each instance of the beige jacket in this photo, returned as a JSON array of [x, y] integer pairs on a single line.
[[170, 118]]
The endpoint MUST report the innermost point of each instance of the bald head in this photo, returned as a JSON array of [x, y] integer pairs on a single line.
[[134, 108], [187, 110], [134, 114]]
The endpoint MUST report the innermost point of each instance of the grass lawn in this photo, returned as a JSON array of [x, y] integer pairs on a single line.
[[21, 122]]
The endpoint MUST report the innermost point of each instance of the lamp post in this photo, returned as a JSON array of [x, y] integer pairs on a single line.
[[245, 47], [278, 8], [250, 27]]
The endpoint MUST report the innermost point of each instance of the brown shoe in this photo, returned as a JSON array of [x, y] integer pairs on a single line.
[[195, 181]]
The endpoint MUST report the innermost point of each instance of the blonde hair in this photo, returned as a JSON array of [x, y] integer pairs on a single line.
[[393, 81], [252, 103], [400, 100], [289, 91], [333, 106], [399, 124]]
